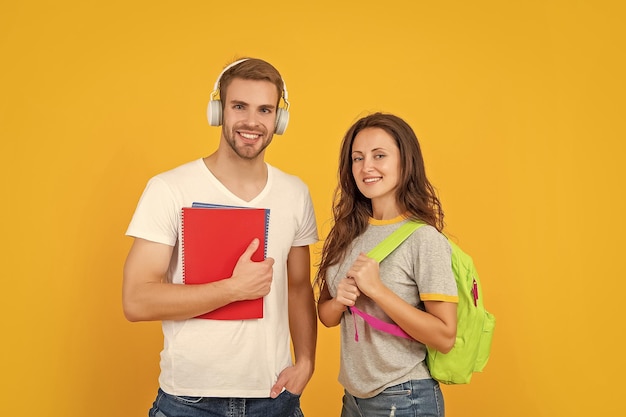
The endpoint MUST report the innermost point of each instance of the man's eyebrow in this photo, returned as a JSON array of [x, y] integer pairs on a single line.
[[245, 103]]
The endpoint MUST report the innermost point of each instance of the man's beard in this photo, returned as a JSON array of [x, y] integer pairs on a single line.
[[248, 152]]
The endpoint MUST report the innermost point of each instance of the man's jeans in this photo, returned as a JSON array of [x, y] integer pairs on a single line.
[[413, 398], [285, 405]]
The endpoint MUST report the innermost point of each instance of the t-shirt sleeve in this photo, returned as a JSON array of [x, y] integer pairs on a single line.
[[435, 279], [156, 217]]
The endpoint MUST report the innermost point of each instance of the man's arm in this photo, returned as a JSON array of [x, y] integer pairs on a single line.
[[146, 294], [302, 323]]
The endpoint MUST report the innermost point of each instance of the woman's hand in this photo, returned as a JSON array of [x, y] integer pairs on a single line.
[[366, 274], [347, 292]]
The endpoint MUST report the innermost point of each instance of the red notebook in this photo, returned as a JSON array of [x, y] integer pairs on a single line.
[[213, 239]]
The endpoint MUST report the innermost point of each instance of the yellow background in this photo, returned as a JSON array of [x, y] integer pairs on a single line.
[[519, 107]]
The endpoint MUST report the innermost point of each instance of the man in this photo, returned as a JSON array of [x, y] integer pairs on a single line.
[[229, 367]]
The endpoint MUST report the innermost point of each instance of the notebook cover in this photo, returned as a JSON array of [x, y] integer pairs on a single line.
[[213, 239]]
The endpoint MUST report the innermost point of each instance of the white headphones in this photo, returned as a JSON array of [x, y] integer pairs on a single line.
[[214, 110]]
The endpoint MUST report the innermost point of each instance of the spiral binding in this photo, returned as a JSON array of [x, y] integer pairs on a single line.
[[182, 242], [267, 230]]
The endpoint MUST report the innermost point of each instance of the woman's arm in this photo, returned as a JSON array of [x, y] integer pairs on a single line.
[[435, 327], [329, 309]]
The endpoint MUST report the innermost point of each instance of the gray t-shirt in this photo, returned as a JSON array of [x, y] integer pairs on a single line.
[[419, 269]]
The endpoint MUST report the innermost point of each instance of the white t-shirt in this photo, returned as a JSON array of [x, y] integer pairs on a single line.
[[223, 358]]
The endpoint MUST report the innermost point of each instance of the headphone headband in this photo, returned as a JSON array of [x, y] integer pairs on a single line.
[[219, 77]]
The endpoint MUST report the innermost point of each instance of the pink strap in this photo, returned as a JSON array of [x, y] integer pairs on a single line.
[[378, 324]]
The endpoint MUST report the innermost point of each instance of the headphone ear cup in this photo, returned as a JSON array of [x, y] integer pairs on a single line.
[[282, 120], [214, 112]]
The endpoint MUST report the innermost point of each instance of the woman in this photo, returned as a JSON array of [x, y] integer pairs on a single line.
[[382, 184]]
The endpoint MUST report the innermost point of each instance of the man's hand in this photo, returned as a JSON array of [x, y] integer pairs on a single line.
[[252, 279], [293, 379]]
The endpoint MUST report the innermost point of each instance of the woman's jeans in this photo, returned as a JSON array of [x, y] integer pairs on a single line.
[[413, 398], [285, 405]]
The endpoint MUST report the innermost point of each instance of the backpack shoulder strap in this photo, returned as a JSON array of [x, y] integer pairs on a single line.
[[380, 252], [391, 242]]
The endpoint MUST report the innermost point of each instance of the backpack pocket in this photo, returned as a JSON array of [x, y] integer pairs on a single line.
[[484, 347]]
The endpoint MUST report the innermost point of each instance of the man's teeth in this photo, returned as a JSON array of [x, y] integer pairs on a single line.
[[249, 136]]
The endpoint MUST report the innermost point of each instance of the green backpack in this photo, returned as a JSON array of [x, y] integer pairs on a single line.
[[475, 325]]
